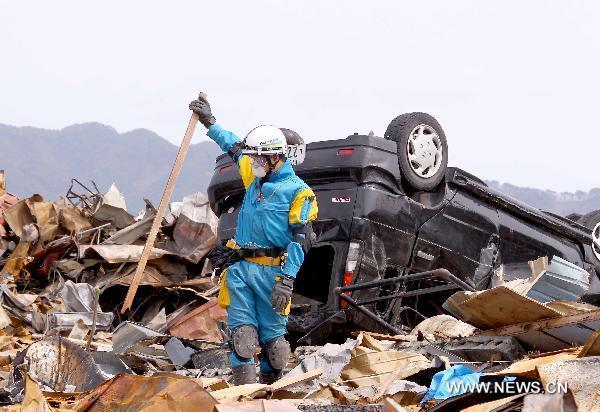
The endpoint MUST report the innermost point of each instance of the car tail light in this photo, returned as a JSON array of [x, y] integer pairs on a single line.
[[354, 253], [225, 168], [347, 281], [345, 152]]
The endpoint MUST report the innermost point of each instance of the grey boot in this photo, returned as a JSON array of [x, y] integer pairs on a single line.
[[269, 377], [244, 374]]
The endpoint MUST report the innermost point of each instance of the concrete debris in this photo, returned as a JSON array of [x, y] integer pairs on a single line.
[[580, 376], [471, 349], [65, 267], [557, 402]]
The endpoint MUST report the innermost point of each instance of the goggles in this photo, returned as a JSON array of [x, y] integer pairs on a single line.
[[258, 160]]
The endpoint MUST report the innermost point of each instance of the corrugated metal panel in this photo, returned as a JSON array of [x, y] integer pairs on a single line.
[[562, 280]]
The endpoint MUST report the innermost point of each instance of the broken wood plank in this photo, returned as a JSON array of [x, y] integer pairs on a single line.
[[501, 306], [285, 382], [541, 355], [527, 368], [258, 405], [214, 384], [235, 392], [390, 405], [383, 336], [164, 202], [496, 405], [524, 327], [592, 346]]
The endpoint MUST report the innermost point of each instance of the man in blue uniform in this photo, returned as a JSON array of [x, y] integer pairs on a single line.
[[272, 236]]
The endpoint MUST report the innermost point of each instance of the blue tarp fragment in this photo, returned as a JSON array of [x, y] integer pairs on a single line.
[[456, 381], [451, 382]]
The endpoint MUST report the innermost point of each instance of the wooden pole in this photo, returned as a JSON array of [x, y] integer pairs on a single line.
[[164, 202]]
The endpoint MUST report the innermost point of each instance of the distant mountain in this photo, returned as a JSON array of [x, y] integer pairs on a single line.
[[139, 162], [562, 203]]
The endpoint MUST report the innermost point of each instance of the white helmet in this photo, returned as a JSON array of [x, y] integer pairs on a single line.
[[265, 140]]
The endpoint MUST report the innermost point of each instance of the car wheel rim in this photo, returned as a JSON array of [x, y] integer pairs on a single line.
[[425, 151], [596, 240]]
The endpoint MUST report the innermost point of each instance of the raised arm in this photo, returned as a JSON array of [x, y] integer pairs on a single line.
[[227, 141], [232, 145]]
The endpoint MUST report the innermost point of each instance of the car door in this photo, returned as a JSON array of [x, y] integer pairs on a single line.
[[463, 238]]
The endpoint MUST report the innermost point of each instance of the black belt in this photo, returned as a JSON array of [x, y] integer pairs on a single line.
[[252, 253]]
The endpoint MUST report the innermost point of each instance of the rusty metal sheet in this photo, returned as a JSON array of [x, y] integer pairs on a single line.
[[7, 200], [20, 215], [201, 323], [151, 277], [158, 393], [133, 232], [192, 240], [115, 215], [46, 217], [17, 260], [72, 220]]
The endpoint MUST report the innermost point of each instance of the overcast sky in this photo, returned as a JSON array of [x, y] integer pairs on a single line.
[[515, 84]]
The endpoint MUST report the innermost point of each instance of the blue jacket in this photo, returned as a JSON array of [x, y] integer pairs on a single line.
[[270, 211]]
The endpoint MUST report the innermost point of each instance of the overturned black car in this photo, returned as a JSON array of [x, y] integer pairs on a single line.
[[391, 215]]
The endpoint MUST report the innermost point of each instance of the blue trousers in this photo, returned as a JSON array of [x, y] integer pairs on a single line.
[[249, 286]]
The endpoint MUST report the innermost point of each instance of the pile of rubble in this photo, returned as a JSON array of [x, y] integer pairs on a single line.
[[65, 268]]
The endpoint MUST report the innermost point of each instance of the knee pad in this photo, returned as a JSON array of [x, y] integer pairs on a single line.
[[278, 352], [245, 341]]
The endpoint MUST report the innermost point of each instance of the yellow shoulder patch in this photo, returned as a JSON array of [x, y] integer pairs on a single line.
[[304, 207], [246, 170]]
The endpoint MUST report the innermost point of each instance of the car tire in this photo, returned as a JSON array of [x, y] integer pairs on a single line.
[[422, 149]]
